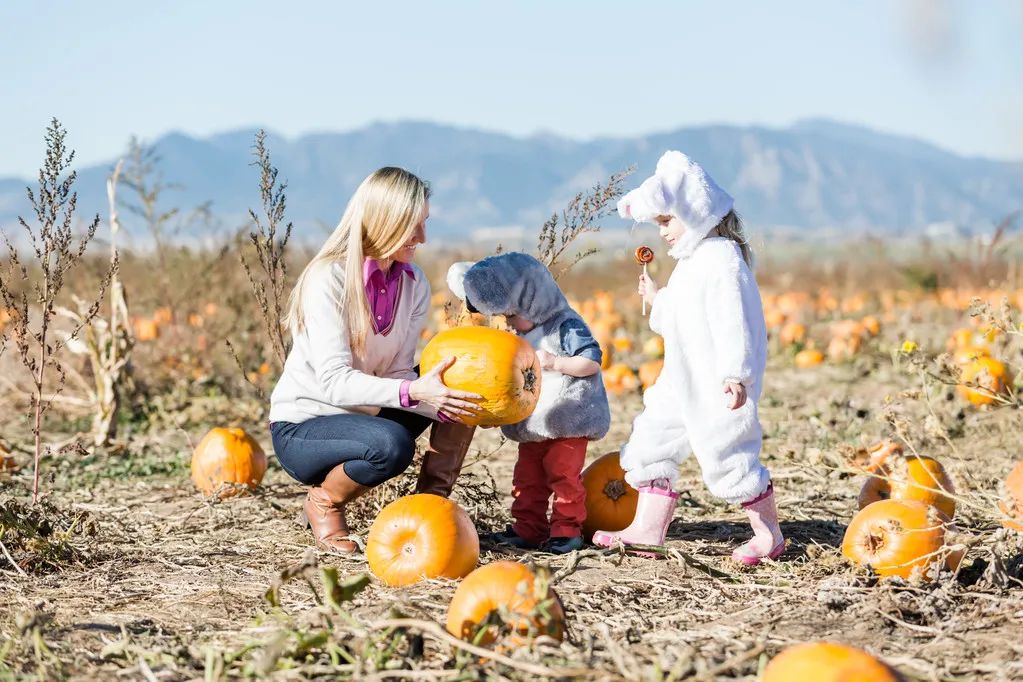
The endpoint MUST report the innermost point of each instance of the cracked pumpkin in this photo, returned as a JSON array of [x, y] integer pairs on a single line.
[[498, 365], [902, 538]]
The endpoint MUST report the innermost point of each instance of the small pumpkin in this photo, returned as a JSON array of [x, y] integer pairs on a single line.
[[986, 372], [498, 365], [809, 357], [903, 538], [225, 459], [146, 329], [1012, 503], [421, 536], [610, 501], [619, 378], [899, 476], [871, 324], [827, 662], [792, 333], [654, 347], [649, 371], [511, 589]]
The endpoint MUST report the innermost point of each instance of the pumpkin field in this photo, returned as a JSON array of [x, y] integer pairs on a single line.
[[893, 432]]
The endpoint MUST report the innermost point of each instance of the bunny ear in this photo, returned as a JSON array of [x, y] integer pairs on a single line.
[[456, 278]]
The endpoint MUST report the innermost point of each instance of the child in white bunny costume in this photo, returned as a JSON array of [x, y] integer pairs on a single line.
[[715, 351]]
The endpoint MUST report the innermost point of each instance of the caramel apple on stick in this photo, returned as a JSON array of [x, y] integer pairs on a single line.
[[644, 255]]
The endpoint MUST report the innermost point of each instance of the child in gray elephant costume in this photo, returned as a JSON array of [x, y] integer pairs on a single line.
[[572, 408]]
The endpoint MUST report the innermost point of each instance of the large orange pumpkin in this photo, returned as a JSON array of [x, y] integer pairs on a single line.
[[511, 590], [987, 373], [1012, 503], [827, 662], [901, 538], [498, 365], [610, 501], [899, 476], [225, 459], [421, 536]]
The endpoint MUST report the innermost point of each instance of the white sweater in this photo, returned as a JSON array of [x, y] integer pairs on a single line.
[[322, 376]]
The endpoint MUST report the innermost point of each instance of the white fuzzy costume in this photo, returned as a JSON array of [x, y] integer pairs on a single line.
[[712, 321]]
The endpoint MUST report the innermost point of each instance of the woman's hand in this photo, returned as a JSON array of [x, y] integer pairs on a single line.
[[430, 389], [736, 395], [647, 288]]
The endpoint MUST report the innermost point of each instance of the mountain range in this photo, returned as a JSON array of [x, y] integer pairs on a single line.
[[816, 175]]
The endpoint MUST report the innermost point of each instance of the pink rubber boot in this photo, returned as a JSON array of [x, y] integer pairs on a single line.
[[654, 511], [767, 538]]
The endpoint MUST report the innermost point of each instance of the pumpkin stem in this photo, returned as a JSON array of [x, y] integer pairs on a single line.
[[529, 379], [615, 489], [874, 542]]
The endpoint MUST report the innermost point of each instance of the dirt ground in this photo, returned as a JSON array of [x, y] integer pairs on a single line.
[[172, 587]]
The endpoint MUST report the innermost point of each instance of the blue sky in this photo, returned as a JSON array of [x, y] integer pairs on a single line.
[[948, 72]]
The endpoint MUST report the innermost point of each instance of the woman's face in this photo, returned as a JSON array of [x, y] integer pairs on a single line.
[[671, 228], [407, 253]]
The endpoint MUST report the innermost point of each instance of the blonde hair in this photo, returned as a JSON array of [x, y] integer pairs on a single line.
[[379, 219], [731, 227]]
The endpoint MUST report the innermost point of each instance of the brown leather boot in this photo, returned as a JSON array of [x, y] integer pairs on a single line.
[[443, 459], [325, 510]]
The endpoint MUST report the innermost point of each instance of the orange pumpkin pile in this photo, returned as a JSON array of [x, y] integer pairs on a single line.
[[498, 365], [226, 460], [421, 536], [827, 662], [610, 501], [511, 591]]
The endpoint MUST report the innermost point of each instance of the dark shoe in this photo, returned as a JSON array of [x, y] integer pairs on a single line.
[[443, 459], [325, 510], [562, 545], [510, 537]]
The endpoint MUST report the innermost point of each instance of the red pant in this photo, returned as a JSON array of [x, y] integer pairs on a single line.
[[551, 466]]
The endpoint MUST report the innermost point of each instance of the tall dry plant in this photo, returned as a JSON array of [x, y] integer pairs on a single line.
[[268, 276], [578, 218], [31, 293], [107, 342]]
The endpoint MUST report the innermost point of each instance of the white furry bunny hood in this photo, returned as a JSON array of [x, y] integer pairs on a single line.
[[679, 187]]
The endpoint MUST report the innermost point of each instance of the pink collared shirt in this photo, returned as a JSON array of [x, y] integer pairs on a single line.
[[382, 292]]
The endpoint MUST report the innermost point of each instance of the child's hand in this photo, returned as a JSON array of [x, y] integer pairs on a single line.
[[736, 395], [647, 288], [546, 359]]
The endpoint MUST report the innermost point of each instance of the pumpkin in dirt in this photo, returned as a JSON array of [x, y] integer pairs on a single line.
[[900, 476], [527, 605], [226, 459], [792, 333], [619, 378], [421, 536], [498, 365], [809, 357], [610, 501], [827, 662], [1012, 503], [649, 371], [903, 538], [989, 374], [654, 347], [146, 329]]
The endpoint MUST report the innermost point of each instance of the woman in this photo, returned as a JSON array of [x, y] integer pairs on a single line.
[[349, 405]]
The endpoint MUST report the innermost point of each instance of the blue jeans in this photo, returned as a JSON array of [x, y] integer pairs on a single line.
[[372, 449]]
